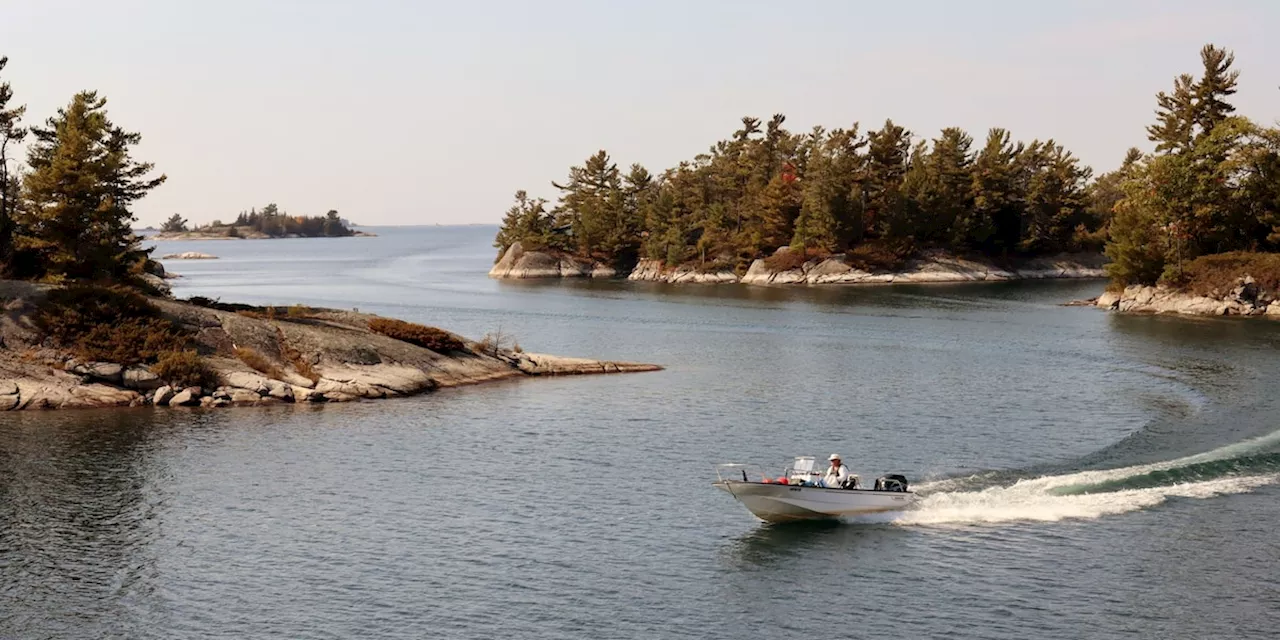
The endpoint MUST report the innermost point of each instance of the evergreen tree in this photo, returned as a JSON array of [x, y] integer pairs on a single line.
[[174, 224], [888, 158], [995, 222], [1216, 85], [941, 188], [1055, 200], [526, 222], [332, 225], [1108, 190], [831, 216], [82, 180], [593, 204], [1139, 242], [1175, 117], [10, 135]]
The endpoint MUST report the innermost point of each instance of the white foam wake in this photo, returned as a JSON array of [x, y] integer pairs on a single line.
[[1035, 499], [1022, 503]]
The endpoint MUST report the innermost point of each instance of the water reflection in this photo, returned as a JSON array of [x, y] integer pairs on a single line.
[[77, 516], [817, 542]]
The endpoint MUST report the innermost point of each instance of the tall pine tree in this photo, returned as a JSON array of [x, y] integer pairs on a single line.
[[75, 224]]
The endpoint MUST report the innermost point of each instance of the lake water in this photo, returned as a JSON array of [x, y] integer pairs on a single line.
[[1083, 474]]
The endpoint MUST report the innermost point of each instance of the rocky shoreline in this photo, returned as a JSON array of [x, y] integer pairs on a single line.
[[516, 263], [325, 356], [1246, 298]]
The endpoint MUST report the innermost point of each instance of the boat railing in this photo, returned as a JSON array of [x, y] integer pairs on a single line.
[[736, 472]]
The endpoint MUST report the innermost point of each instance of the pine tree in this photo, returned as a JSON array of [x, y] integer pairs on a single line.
[[592, 205], [1175, 117], [1054, 197], [82, 180], [1216, 85], [1137, 244], [526, 222], [1108, 190], [10, 135], [888, 158], [942, 184], [995, 221], [175, 223]]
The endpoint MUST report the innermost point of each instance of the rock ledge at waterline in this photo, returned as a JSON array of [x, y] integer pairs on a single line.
[[516, 263], [1246, 298], [350, 362]]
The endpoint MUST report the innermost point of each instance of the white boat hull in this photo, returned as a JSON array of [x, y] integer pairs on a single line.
[[787, 503]]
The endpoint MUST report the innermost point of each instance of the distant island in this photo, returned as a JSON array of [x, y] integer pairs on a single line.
[[1198, 217], [271, 222]]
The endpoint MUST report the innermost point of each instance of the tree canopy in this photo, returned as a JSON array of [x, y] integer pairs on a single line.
[[822, 191], [75, 222], [1212, 186]]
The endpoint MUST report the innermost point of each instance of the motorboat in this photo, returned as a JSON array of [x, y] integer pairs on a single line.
[[800, 494]]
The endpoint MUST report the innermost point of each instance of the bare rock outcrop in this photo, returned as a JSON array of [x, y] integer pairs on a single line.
[[189, 255], [937, 268], [540, 364], [1244, 299], [321, 356], [656, 271], [516, 263]]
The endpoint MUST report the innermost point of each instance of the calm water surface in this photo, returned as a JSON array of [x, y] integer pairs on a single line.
[[1083, 474]]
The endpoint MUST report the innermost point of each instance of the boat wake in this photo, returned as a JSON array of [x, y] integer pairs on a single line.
[[1237, 468]]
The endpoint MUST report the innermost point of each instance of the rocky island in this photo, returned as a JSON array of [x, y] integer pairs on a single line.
[[1191, 228], [269, 223], [166, 352], [88, 321]]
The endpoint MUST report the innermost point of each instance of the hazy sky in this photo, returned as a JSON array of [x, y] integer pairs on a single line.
[[402, 112]]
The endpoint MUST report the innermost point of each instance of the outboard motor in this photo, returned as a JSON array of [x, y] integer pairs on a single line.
[[891, 482]]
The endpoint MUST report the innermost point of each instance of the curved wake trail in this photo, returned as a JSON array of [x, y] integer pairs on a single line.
[[1236, 468]]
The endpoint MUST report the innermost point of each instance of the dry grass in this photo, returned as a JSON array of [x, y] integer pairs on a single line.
[[185, 369], [258, 362], [437, 340], [1216, 275]]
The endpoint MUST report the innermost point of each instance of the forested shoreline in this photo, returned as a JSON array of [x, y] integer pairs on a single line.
[[1212, 185]]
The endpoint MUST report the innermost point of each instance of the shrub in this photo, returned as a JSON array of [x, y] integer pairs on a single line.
[[132, 341], [431, 338], [786, 260], [258, 362], [877, 257], [1217, 274], [185, 369], [495, 342], [108, 324], [300, 311], [790, 258]]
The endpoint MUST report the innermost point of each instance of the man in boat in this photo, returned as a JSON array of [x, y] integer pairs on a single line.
[[837, 475]]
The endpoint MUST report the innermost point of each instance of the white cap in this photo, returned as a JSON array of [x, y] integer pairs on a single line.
[[834, 456]]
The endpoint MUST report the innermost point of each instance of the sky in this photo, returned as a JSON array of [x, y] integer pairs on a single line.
[[399, 112]]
